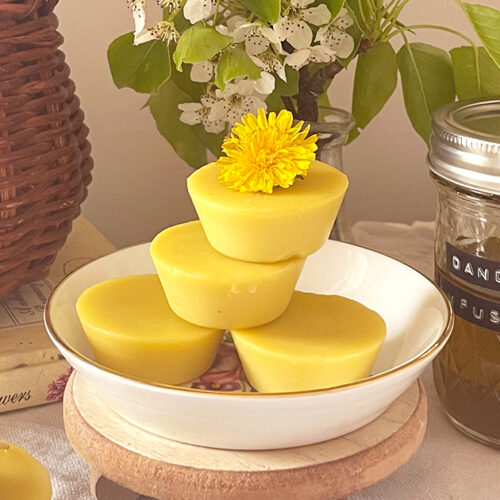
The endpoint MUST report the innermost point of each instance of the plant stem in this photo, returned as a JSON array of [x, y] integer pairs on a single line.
[[287, 101], [364, 28], [372, 5], [216, 13], [390, 5], [311, 87], [371, 17], [393, 17], [379, 10], [432, 27], [385, 11]]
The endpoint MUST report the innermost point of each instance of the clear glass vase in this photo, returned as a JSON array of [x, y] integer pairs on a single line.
[[332, 137]]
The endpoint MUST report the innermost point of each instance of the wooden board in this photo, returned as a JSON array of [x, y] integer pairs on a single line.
[[163, 469]]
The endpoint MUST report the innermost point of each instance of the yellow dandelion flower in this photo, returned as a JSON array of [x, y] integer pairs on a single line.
[[265, 152]]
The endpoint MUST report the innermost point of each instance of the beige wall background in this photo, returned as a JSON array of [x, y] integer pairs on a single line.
[[139, 182]]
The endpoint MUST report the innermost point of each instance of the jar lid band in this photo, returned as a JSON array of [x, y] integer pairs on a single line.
[[465, 144]]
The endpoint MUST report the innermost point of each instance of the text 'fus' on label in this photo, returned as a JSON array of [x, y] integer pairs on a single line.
[[476, 310]]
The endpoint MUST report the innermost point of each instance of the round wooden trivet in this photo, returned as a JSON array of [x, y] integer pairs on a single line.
[[167, 470]]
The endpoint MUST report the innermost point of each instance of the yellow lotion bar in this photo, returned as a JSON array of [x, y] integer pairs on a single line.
[[261, 227], [206, 288], [132, 329], [320, 341], [21, 476]]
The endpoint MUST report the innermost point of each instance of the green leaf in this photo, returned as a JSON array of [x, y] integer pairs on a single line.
[[189, 142], [195, 90], [427, 78], [486, 22], [274, 103], [291, 86], [192, 89], [143, 68], [267, 10], [199, 43], [212, 141], [353, 134], [182, 137], [474, 80], [375, 80], [334, 6], [235, 62]]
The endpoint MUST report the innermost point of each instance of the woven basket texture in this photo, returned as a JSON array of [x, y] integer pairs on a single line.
[[45, 158]]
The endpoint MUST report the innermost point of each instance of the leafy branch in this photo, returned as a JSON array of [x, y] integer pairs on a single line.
[[430, 78], [207, 61]]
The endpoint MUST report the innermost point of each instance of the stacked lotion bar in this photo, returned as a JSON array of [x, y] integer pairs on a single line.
[[263, 209]]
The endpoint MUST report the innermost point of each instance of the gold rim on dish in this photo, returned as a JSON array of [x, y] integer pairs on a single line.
[[201, 392]]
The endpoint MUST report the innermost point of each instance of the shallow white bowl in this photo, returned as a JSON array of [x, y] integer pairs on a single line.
[[419, 322]]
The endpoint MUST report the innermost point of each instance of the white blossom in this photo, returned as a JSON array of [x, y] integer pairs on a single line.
[[213, 127], [164, 31], [192, 112], [235, 101], [197, 112], [316, 53], [293, 26], [270, 63], [265, 84], [138, 8], [203, 71], [232, 23], [197, 10], [335, 37], [257, 36], [170, 5], [220, 107]]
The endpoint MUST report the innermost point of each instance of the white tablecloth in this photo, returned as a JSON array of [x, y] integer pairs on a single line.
[[447, 466]]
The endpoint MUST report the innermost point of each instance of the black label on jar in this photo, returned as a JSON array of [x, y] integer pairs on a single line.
[[473, 269], [477, 310]]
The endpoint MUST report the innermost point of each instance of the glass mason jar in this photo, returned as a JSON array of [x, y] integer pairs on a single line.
[[332, 137], [465, 164]]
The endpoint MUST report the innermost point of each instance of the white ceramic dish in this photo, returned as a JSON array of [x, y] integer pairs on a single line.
[[419, 322]]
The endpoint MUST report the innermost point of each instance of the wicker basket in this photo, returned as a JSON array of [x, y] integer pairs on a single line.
[[45, 158]]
